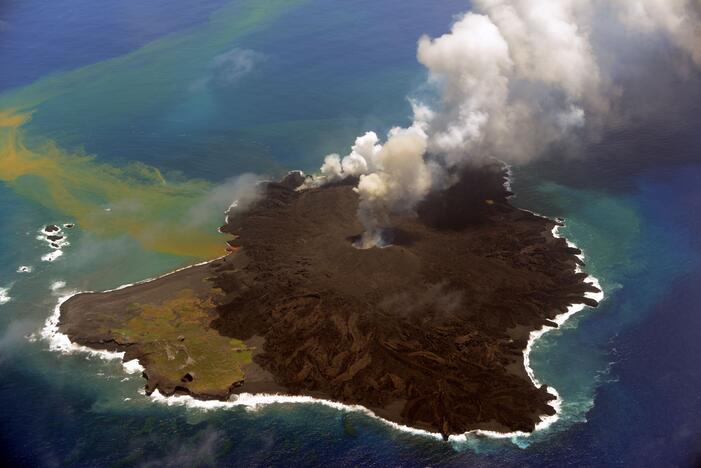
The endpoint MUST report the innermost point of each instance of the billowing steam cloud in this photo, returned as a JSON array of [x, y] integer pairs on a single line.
[[392, 177], [512, 78], [679, 20], [400, 181]]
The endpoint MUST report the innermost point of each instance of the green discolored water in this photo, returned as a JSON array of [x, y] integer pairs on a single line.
[[152, 130]]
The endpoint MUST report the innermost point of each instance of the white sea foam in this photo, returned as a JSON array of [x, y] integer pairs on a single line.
[[56, 285], [57, 245], [5, 295], [559, 320], [133, 367], [24, 269], [61, 343], [254, 402], [51, 256]]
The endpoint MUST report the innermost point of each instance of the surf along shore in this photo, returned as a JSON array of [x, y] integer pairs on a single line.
[[431, 334]]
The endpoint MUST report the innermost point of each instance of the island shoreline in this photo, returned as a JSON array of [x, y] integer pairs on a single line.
[[61, 343]]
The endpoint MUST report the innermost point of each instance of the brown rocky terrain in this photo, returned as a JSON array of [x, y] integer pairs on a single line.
[[428, 332]]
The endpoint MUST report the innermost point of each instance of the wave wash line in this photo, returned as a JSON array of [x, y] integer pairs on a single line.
[[59, 342]]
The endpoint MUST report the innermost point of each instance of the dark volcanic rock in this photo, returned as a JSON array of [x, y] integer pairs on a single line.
[[428, 332], [293, 179]]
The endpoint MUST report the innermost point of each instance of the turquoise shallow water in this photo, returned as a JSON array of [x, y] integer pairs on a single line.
[[297, 80]]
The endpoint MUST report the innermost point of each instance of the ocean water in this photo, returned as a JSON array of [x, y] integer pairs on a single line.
[[101, 102]]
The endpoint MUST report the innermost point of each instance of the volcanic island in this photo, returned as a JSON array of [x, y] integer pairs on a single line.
[[428, 331]]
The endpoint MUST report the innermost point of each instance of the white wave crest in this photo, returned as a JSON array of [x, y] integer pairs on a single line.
[[61, 343], [5, 295], [52, 256]]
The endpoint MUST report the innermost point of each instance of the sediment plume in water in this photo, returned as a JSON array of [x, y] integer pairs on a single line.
[[136, 200]]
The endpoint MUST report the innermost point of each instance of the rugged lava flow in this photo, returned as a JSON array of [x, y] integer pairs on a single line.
[[428, 332]]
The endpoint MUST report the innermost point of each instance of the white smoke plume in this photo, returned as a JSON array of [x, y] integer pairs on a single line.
[[361, 160], [400, 180], [513, 77], [679, 20], [233, 195]]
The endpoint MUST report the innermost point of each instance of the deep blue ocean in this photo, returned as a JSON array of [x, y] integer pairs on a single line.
[[207, 90]]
